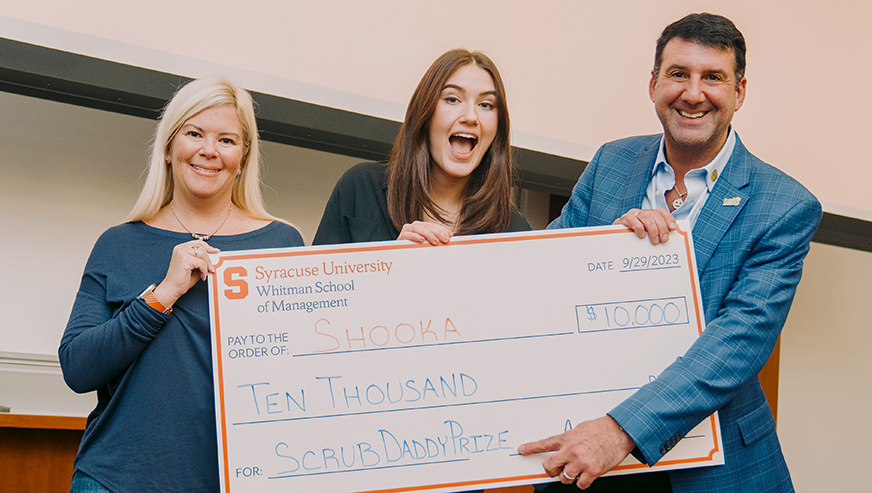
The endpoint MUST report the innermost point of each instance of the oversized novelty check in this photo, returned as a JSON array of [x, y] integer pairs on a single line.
[[393, 366]]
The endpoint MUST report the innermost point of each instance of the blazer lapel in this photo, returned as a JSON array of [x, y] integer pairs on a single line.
[[726, 201], [638, 178]]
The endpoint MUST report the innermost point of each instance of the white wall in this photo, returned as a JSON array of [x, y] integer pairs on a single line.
[[824, 394], [576, 71], [67, 173]]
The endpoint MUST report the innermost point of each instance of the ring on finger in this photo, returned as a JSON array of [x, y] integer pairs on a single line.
[[567, 476], [195, 248], [636, 214]]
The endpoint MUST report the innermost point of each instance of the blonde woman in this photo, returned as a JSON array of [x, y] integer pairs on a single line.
[[139, 329]]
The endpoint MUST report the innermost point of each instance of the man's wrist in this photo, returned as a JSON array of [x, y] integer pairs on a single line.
[[629, 444]]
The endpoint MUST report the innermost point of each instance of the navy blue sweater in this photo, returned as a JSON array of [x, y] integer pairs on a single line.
[[154, 425]]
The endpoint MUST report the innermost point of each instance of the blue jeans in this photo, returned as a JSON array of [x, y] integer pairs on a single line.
[[82, 483]]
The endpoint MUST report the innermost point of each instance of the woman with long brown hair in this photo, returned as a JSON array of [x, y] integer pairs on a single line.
[[450, 171]]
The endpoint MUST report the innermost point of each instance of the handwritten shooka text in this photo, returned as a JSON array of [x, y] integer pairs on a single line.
[[395, 334]]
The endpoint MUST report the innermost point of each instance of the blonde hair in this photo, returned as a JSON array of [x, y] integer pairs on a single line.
[[196, 96]]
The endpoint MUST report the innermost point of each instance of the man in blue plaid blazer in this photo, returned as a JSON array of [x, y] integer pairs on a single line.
[[751, 228]]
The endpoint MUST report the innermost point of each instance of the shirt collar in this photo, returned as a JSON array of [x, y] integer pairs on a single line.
[[713, 170]]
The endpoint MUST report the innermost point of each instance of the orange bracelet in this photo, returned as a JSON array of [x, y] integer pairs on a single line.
[[149, 298]]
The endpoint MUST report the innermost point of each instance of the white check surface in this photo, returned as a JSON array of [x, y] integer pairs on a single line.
[[397, 367]]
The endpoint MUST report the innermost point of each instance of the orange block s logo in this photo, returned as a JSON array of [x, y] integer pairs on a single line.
[[238, 287]]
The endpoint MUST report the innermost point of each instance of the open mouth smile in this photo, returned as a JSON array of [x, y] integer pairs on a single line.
[[463, 143], [692, 115]]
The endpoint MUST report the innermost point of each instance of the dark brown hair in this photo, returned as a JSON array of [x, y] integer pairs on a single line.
[[487, 202], [708, 30]]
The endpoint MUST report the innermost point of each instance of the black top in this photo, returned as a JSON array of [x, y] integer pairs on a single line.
[[358, 209]]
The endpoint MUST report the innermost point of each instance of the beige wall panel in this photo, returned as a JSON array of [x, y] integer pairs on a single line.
[[68, 173], [824, 396], [577, 71]]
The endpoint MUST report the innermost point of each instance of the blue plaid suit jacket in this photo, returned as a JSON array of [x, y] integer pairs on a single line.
[[749, 258]]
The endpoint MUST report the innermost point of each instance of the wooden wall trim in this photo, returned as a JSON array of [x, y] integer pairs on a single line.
[[42, 422]]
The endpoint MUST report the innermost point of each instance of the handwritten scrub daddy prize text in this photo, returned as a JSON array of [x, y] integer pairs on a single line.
[[386, 448]]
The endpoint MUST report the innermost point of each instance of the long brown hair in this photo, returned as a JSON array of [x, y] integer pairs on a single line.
[[487, 202]]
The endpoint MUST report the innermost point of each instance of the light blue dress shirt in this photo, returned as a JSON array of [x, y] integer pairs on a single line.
[[699, 182]]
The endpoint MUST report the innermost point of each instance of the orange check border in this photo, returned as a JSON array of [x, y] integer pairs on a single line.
[[457, 242]]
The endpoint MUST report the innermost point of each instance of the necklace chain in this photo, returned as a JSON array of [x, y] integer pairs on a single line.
[[680, 200], [199, 236]]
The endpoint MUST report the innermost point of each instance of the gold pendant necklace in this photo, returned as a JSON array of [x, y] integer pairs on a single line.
[[680, 200], [199, 236]]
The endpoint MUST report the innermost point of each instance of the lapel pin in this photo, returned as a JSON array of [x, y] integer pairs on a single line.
[[733, 201]]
